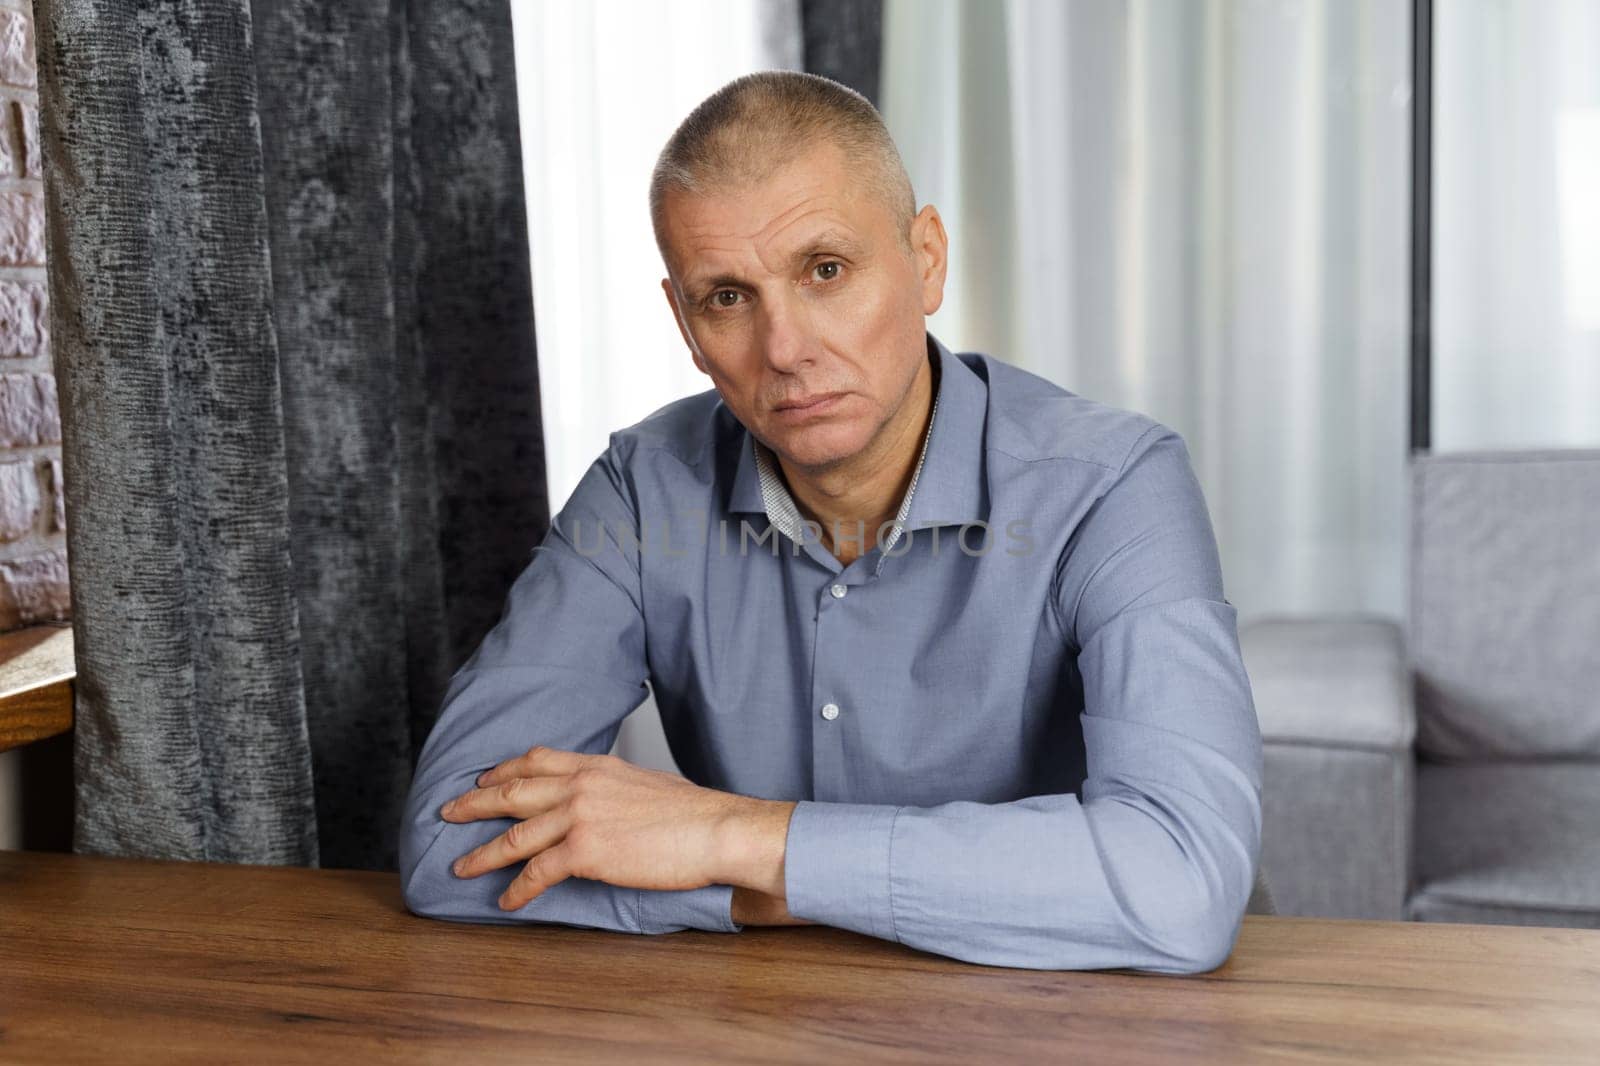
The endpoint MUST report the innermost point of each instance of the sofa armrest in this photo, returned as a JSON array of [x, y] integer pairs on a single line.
[[1334, 699], [1336, 682]]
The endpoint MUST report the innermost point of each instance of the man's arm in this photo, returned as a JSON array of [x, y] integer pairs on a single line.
[[562, 668], [1152, 867]]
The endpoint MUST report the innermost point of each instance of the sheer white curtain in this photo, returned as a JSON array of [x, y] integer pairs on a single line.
[[1197, 209], [1516, 313], [601, 86]]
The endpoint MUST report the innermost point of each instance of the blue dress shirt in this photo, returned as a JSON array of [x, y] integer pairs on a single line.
[[1020, 733]]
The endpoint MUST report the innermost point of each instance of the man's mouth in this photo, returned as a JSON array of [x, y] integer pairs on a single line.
[[807, 405]]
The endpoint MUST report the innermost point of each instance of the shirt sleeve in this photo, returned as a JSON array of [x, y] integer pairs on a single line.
[[562, 668], [1151, 867]]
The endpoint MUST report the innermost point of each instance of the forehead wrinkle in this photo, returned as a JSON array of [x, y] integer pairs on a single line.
[[764, 249], [802, 208], [694, 281], [780, 220]]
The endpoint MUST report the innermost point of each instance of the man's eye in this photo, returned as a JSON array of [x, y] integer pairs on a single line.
[[829, 266], [717, 298]]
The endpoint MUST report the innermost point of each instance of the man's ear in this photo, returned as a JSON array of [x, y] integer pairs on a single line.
[[931, 247], [683, 331]]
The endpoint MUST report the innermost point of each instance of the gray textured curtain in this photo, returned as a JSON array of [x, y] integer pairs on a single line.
[[295, 352]]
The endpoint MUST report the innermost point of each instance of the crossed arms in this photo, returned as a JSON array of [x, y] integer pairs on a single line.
[[1149, 869]]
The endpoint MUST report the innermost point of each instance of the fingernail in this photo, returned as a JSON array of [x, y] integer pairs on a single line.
[[447, 809], [479, 779], [457, 866]]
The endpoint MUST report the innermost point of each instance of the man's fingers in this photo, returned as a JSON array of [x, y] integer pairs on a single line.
[[549, 867], [524, 840], [535, 761], [519, 797]]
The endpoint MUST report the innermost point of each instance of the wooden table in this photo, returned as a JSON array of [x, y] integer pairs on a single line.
[[129, 961], [36, 678]]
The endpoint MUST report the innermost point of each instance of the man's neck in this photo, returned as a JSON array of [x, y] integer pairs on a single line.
[[861, 495]]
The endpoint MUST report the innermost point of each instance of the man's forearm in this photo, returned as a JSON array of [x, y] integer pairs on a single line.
[[751, 850]]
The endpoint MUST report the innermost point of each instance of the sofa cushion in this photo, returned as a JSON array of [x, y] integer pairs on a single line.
[[1504, 611], [1508, 844]]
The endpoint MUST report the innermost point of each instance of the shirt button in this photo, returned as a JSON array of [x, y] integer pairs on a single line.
[[839, 591], [830, 711]]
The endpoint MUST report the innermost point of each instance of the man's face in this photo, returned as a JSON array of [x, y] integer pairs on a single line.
[[798, 289]]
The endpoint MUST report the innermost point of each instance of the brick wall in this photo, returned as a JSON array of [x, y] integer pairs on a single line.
[[33, 554]]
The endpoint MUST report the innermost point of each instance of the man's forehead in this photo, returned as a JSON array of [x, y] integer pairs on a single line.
[[770, 213], [714, 243], [762, 210], [782, 237]]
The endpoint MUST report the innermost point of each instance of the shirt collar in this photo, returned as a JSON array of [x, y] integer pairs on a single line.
[[947, 487]]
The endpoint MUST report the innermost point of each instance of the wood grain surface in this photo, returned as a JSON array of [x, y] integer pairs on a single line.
[[136, 961], [36, 674]]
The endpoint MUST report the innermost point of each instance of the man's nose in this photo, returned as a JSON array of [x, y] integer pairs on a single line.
[[786, 335]]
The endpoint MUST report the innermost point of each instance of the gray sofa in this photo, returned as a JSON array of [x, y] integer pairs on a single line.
[[1448, 770]]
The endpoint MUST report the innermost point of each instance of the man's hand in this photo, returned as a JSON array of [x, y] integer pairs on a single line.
[[603, 818]]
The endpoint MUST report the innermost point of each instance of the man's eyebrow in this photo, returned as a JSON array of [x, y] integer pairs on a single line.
[[826, 241]]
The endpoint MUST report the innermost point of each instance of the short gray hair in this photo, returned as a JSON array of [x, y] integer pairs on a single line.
[[756, 123]]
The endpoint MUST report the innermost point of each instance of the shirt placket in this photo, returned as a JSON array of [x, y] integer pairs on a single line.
[[832, 710], [838, 635]]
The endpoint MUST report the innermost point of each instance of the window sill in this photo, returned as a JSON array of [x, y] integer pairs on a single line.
[[36, 678]]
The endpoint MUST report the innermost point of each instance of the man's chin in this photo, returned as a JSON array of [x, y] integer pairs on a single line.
[[817, 447]]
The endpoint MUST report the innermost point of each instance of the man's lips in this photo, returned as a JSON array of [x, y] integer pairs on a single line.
[[808, 403]]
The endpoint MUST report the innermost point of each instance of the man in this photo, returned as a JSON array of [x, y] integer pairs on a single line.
[[940, 647]]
